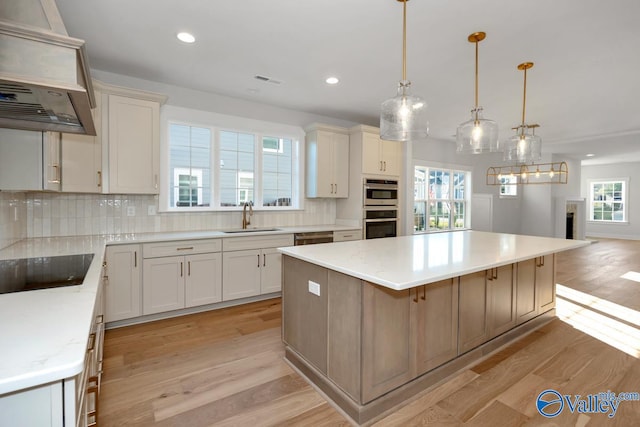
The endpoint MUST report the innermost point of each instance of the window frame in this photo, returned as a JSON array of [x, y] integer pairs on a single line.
[[624, 200], [466, 200], [216, 123]]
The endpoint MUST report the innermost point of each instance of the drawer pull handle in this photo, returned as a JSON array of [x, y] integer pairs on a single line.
[[258, 260], [135, 259], [424, 292], [99, 319], [264, 260], [186, 248], [181, 269], [416, 298], [188, 268], [92, 342]]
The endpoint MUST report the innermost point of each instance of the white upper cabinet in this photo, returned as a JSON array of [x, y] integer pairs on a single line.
[[379, 156], [327, 152], [29, 160], [134, 145], [82, 157]]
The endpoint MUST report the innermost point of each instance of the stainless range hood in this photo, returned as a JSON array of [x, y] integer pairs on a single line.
[[44, 73]]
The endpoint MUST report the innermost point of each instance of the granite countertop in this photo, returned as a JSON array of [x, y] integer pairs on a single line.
[[44, 333], [407, 261]]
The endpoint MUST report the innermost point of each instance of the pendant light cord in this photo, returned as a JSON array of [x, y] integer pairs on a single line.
[[476, 80], [404, 40], [524, 96]]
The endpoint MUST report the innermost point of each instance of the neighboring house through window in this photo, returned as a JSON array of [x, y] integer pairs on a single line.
[[251, 166]]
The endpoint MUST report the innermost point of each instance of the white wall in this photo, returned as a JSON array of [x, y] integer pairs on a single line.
[[631, 230]]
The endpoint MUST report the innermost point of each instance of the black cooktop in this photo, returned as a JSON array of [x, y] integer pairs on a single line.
[[28, 274]]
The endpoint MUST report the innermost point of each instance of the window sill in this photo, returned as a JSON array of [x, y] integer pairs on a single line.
[[608, 222], [231, 209]]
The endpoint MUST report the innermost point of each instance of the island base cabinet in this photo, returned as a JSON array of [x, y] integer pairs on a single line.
[[526, 295], [546, 282], [501, 300], [436, 316], [304, 314], [387, 335], [473, 311]]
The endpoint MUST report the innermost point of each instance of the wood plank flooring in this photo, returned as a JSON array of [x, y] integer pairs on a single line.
[[226, 367]]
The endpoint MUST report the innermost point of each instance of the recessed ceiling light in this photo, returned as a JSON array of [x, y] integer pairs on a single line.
[[590, 155], [186, 37], [332, 80]]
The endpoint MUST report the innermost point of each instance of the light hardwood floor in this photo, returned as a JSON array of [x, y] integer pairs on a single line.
[[226, 367]]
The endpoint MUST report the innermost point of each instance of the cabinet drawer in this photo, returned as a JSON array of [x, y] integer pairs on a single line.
[[183, 247], [346, 235], [257, 242]]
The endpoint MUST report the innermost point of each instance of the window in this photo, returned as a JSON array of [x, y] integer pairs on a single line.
[[508, 186], [251, 167], [440, 199], [608, 200], [190, 166]]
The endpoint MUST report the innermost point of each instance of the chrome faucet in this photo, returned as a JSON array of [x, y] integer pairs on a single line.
[[246, 221]]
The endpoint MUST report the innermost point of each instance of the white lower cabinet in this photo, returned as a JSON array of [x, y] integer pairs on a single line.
[[252, 265], [123, 282], [181, 281]]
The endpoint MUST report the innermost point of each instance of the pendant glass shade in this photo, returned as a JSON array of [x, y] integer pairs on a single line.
[[524, 147], [403, 117], [477, 135]]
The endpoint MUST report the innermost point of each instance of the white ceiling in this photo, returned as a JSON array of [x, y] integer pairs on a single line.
[[583, 89]]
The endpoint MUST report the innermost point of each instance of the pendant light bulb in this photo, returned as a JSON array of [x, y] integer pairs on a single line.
[[477, 135], [403, 117]]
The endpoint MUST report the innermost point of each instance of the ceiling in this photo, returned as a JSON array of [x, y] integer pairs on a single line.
[[583, 89]]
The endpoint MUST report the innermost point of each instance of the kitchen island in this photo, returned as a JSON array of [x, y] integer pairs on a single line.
[[374, 322]]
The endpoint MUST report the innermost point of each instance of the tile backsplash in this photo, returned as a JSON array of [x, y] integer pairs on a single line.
[[13, 218], [55, 214]]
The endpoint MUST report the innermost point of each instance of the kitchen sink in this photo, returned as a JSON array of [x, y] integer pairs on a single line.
[[249, 230]]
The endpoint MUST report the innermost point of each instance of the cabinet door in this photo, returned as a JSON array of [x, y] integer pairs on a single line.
[[82, 158], [473, 329], [38, 406], [203, 284], [387, 340], [241, 274], [391, 157], [51, 159], [546, 282], [21, 164], [271, 271], [371, 162], [436, 310], [501, 300], [163, 284], [526, 298], [122, 287], [134, 145], [341, 165]]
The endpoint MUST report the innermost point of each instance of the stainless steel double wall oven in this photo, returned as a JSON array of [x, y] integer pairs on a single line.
[[380, 210]]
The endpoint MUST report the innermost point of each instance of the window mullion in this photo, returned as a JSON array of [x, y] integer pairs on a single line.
[[257, 166]]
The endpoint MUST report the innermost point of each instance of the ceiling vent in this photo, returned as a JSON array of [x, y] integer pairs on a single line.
[[267, 79]]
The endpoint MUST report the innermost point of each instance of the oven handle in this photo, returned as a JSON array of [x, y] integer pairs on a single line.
[[381, 220], [381, 186]]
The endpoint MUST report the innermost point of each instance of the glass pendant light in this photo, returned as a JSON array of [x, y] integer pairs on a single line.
[[403, 117], [478, 135], [524, 147]]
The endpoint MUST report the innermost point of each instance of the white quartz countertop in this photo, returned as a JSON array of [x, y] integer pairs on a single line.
[[407, 261], [43, 333]]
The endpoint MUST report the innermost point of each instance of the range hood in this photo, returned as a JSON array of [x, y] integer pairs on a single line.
[[44, 73]]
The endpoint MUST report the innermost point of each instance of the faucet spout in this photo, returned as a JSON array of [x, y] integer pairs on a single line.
[[246, 221]]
